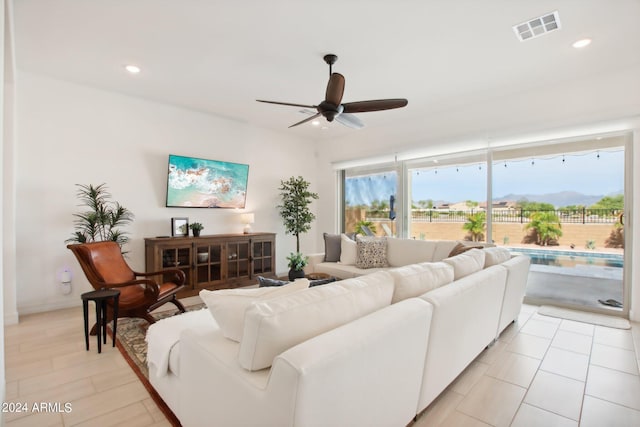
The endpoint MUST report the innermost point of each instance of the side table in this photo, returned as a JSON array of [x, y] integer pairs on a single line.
[[100, 298]]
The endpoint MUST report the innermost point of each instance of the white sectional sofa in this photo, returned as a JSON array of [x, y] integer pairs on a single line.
[[399, 252], [373, 350]]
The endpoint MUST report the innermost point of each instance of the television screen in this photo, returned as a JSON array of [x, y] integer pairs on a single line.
[[201, 183]]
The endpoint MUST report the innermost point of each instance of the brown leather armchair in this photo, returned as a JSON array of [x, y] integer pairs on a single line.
[[105, 267]]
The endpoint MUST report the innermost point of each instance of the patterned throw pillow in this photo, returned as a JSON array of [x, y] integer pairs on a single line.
[[372, 252]]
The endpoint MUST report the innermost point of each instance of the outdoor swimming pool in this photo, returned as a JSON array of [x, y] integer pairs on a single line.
[[559, 258]]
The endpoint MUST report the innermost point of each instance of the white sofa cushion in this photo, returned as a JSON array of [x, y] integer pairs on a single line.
[[401, 252], [466, 263], [227, 306], [495, 255], [416, 279], [342, 271], [275, 325], [443, 249], [348, 250]]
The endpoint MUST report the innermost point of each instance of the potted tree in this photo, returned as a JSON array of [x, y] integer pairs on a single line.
[[297, 216], [103, 218]]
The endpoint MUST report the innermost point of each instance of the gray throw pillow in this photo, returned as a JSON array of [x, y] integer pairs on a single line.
[[332, 247], [319, 282], [265, 281]]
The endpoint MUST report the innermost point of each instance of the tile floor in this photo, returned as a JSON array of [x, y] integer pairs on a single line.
[[542, 371], [545, 371]]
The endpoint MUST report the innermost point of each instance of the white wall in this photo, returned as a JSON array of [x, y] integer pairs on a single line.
[[70, 134]]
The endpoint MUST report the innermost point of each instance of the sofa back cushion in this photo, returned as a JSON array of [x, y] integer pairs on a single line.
[[443, 249], [495, 255], [401, 252], [227, 306], [466, 263], [275, 325], [416, 279]]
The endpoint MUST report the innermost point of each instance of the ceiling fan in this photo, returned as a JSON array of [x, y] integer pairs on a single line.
[[332, 108]]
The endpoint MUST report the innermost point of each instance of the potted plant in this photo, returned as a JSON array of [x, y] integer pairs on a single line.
[[297, 262], [294, 209], [102, 220], [196, 227]]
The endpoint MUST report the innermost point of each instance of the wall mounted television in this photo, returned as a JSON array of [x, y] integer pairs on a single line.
[[202, 183]]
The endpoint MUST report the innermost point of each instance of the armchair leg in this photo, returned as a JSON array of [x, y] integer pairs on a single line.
[[178, 304]]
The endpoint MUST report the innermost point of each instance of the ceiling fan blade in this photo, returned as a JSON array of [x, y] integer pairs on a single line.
[[287, 103], [308, 119], [350, 121], [374, 105], [335, 89]]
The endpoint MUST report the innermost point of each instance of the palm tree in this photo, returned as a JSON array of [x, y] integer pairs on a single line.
[[546, 226], [475, 226], [102, 220]]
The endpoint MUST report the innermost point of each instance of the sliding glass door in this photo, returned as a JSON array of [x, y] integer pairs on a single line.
[[370, 201], [562, 205], [448, 198]]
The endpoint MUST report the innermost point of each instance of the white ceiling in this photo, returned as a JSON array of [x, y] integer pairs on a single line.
[[219, 56]]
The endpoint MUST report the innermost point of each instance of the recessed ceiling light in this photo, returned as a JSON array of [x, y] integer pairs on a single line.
[[315, 122], [133, 69], [581, 43]]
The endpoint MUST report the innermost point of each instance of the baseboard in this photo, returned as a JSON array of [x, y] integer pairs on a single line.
[[11, 319], [41, 308]]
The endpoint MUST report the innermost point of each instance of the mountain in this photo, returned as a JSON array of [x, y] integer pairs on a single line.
[[560, 199]]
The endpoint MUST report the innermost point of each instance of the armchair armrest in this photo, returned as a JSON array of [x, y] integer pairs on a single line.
[[178, 279], [149, 285]]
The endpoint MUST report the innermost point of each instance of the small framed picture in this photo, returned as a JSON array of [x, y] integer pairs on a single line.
[[179, 227]]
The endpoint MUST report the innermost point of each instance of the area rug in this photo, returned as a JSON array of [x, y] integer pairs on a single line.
[[131, 343], [585, 317]]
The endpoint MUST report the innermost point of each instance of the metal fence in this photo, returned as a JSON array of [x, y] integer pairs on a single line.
[[516, 215]]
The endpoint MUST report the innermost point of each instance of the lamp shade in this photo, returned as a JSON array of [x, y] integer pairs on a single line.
[[247, 218]]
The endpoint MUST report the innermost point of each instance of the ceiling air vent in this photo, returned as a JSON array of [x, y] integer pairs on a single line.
[[538, 26]]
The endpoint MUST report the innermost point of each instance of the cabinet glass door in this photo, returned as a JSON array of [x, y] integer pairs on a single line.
[[262, 257], [177, 258], [237, 260], [208, 264]]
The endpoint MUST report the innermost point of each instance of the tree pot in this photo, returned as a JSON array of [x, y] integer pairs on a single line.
[[196, 233], [295, 274]]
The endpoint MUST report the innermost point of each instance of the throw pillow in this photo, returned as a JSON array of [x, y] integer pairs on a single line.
[[466, 263], [348, 250], [319, 282], [275, 325], [266, 282], [332, 246], [461, 248], [372, 252], [227, 306]]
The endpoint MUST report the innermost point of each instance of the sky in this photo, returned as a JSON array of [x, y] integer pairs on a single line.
[[593, 173]]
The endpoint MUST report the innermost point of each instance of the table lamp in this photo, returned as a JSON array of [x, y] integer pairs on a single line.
[[247, 219]]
